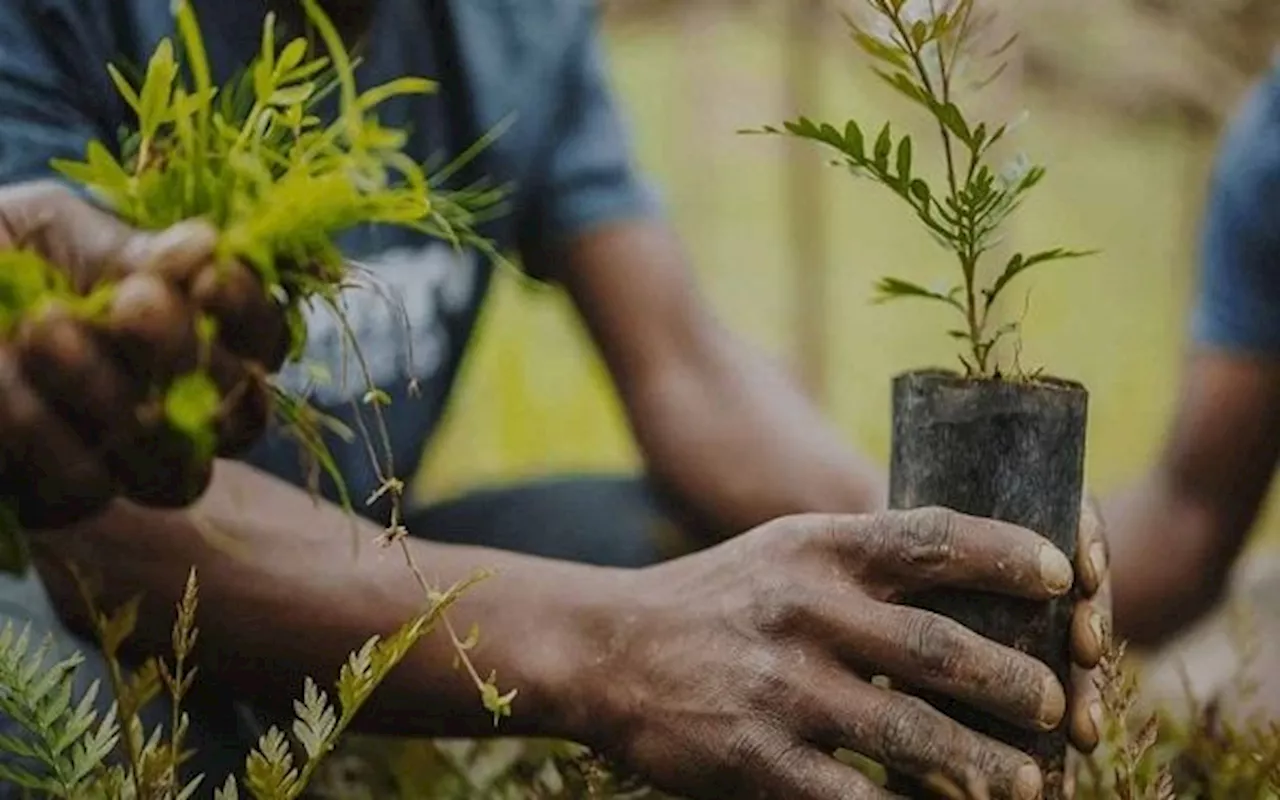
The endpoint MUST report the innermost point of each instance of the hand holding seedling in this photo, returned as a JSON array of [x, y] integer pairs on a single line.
[[744, 667], [84, 421]]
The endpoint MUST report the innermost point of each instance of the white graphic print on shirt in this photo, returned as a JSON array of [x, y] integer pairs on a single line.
[[398, 313]]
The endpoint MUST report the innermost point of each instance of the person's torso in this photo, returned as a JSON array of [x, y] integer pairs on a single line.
[[413, 322]]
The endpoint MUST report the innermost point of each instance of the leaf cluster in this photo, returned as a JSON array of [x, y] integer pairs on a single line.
[[922, 54], [64, 749]]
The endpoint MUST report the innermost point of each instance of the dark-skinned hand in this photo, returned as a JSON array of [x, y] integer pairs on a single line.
[[739, 671], [80, 403]]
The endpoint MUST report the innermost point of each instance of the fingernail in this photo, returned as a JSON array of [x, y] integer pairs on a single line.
[[1055, 570], [1027, 783], [1098, 560], [1053, 704]]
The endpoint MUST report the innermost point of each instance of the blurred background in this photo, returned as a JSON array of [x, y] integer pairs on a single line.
[[1125, 99]]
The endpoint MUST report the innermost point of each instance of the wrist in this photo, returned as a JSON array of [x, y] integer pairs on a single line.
[[560, 653]]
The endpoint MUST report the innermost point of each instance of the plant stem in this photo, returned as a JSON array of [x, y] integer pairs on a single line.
[[966, 253]]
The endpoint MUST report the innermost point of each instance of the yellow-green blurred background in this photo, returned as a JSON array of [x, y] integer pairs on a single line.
[[535, 399]]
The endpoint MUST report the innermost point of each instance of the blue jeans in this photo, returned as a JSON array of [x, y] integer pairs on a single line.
[[598, 520]]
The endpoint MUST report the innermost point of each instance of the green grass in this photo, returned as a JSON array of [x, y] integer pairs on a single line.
[[534, 398]]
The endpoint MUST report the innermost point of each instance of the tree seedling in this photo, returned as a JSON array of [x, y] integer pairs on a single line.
[[925, 52]]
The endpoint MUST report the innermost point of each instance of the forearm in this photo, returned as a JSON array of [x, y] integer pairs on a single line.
[[729, 431], [1169, 561], [287, 595]]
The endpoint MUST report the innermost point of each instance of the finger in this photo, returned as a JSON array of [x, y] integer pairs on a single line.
[[168, 467], [151, 328], [912, 738], [1092, 561], [1084, 722], [100, 403], [250, 323], [928, 651], [157, 465], [975, 786], [1090, 634], [245, 409], [907, 551], [63, 361], [808, 774], [54, 479]]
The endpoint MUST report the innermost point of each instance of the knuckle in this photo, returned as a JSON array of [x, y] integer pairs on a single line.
[[754, 748], [928, 537], [909, 736], [934, 645], [779, 607]]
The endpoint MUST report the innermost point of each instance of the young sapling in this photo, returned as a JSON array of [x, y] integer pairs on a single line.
[[976, 441]]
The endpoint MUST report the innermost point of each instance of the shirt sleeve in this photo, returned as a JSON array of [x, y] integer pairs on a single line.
[[51, 103], [587, 176], [1238, 307]]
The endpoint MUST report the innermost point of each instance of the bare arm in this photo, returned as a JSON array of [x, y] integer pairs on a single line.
[[288, 598], [725, 429], [1175, 535], [736, 669]]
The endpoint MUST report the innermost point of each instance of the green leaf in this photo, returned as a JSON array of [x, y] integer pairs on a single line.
[[884, 144], [904, 161], [191, 405], [291, 95], [126, 90], [853, 140], [877, 48], [153, 100], [1019, 264], [889, 288], [921, 192], [394, 88], [290, 57], [908, 88], [949, 115], [919, 33]]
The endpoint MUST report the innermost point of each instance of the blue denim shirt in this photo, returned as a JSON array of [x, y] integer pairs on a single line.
[[1238, 305], [536, 63]]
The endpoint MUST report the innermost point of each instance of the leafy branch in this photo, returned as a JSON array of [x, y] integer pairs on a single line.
[[921, 50]]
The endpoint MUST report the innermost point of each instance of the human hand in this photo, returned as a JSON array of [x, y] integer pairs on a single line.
[[80, 402], [738, 671]]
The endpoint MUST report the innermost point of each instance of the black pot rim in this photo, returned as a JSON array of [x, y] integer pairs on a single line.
[[940, 375]]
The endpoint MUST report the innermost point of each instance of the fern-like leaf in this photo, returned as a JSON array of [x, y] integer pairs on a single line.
[[59, 744]]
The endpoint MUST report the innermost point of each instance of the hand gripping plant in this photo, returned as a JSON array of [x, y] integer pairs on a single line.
[[989, 441]]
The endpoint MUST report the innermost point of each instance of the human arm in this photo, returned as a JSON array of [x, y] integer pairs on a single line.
[[720, 425], [1198, 503], [743, 666]]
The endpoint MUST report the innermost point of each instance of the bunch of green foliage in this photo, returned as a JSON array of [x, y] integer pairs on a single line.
[[924, 51]]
